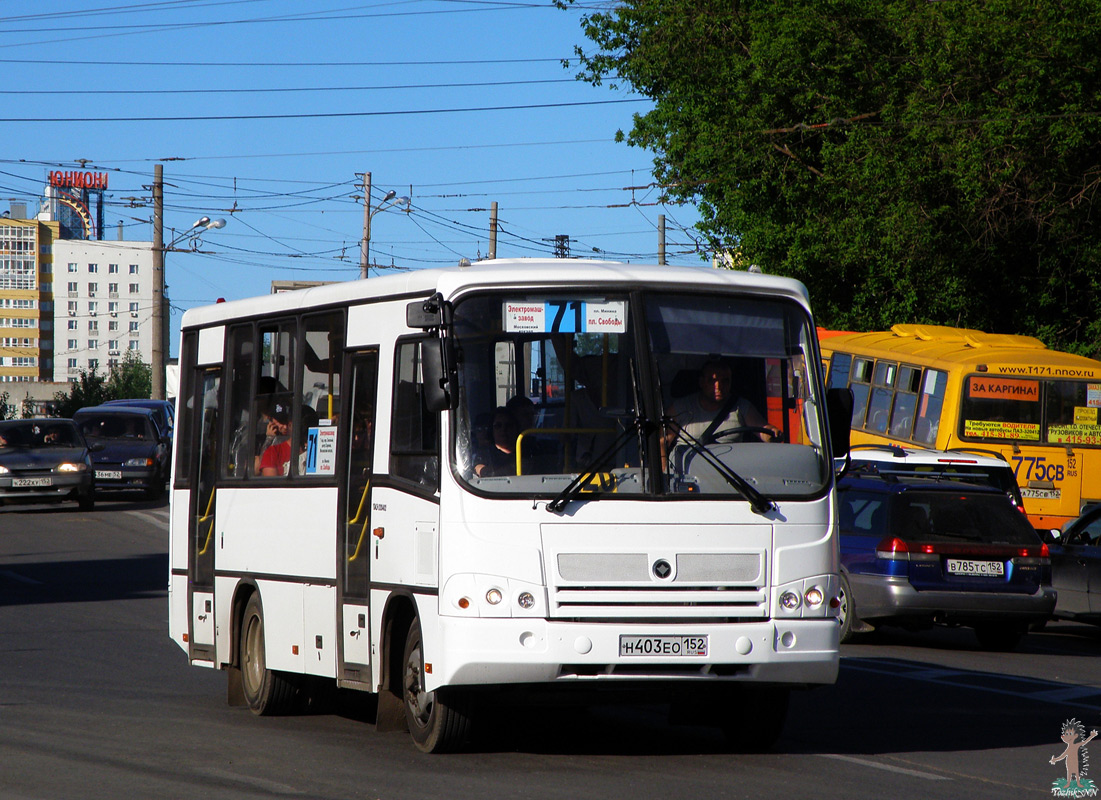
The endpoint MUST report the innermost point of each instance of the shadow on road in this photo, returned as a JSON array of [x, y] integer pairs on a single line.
[[84, 580]]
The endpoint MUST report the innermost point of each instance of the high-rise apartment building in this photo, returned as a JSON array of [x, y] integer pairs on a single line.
[[26, 300], [103, 301]]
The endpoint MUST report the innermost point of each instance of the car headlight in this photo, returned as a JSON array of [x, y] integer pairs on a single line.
[[70, 467], [4, 470], [138, 462]]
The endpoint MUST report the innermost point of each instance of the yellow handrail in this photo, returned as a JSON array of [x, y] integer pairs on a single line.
[[366, 522], [206, 515], [362, 502], [541, 431]]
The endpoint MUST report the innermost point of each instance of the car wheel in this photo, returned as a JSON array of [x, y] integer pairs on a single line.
[[999, 637], [439, 721], [266, 692], [846, 611]]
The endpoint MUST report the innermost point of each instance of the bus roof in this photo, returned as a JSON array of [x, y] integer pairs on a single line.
[[961, 347], [563, 273]]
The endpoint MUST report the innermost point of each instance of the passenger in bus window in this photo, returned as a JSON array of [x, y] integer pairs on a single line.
[[715, 408], [276, 458], [500, 457]]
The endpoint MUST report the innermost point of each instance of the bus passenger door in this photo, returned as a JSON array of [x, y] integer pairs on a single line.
[[201, 522], [355, 527]]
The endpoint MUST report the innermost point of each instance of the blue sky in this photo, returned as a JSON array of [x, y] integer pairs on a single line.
[[266, 113]]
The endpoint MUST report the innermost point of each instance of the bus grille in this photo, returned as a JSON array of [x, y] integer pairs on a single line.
[[626, 586]]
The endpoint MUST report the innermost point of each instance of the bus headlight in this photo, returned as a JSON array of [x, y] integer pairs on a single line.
[[472, 595], [789, 600], [814, 597]]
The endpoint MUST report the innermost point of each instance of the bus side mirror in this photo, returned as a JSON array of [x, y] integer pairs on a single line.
[[440, 378], [839, 416]]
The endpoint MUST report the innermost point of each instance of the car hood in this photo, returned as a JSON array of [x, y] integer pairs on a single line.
[[17, 458]]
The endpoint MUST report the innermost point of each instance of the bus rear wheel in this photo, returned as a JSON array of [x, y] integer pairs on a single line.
[[439, 721], [266, 692]]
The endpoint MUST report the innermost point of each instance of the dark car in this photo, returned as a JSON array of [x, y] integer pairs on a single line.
[[1076, 568], [916, 552], [163, 410], [44, 460], [133, 454]]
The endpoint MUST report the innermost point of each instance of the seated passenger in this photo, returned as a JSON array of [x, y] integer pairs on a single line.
[[500, 457], [276, 458]]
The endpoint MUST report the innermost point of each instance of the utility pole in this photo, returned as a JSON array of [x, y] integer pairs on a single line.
[[157, 321], [365, 245], [493, 230], [661, 239]]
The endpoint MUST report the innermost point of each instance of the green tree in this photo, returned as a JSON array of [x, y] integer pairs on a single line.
[[931, 162], [89, 390], [131, 379]]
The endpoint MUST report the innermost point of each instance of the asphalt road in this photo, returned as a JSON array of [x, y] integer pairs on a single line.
[[96, 702]]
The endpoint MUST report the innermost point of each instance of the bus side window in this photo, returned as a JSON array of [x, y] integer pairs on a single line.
[[241, 421], [414, 430], [933, 385]]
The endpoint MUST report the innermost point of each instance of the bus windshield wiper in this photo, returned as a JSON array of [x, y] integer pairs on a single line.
[[757, 501], [587, 475]]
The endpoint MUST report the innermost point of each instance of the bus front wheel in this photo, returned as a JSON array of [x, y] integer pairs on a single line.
[[266, 692], [438, 721]]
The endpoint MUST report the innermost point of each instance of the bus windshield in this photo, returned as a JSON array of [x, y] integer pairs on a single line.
[[644, 393]]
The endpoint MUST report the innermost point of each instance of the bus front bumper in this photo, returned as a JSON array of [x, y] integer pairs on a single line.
[[506, 651]]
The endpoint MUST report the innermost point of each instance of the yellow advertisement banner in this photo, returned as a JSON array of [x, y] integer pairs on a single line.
[[997, 429], [1074, 434], [1003, 389]]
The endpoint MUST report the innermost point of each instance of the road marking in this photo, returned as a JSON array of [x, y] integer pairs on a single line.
[[864, 762], [155, 519], [15, 576]]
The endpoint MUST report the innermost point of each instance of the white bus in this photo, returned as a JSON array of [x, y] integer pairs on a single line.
[[434, 485]]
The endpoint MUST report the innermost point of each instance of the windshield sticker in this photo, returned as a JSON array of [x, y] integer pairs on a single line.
[[321, 451], [999, 429], [1093, 395], [1085, 416], [1000, 389], [567, 316]]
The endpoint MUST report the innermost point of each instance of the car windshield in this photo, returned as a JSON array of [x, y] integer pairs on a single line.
[[593, 390], [116, 426], [38, 434]]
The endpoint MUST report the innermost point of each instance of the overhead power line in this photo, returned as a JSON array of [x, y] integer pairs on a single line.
[[325, 115]]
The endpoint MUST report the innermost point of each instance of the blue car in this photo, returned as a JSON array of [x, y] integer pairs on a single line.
[[163, 411], [915, 552], [131, 452]]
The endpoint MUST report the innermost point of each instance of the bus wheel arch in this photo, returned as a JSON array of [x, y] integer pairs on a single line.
[[265, 691], [439, 721]]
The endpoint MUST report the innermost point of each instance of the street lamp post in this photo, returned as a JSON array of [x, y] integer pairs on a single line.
[[159, 321], [390, 199]]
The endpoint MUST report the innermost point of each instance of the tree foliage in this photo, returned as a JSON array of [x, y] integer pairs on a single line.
[[90, 389], [929, 161], [131, 379]]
